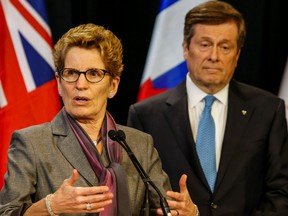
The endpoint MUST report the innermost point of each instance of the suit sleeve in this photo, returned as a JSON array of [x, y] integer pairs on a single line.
[[275, 200], [133, 119], [156, 173]]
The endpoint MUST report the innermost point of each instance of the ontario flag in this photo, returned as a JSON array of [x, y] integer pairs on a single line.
[[165, 66], [28, 91]]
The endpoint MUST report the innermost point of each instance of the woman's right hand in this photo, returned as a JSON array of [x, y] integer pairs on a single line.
[[70, 199], [181, 202]]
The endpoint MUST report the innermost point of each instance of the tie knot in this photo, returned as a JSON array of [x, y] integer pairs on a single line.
[[209, 99]]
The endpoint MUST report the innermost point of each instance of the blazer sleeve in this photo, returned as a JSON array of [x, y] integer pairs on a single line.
[[19, 184], [275, 199]]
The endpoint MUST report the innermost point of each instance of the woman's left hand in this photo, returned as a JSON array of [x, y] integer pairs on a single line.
[[181, 203]]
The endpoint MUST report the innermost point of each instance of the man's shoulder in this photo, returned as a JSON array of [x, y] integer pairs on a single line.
[[153, 104], [134, 136], [250, 91], [131, 131], [168, 96]]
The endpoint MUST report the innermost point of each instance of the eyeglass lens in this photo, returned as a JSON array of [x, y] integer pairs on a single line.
[[93, 75]]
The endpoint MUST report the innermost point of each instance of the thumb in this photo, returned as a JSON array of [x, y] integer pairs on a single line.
[[182, 184], [73, 178]]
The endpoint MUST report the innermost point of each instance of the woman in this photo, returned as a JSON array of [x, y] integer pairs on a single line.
[[70, 165]]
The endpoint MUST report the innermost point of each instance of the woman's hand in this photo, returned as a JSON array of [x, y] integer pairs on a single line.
[[70, 199], [181, 203]]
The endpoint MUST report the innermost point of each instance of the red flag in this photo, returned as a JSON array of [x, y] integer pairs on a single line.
[[28, 90]]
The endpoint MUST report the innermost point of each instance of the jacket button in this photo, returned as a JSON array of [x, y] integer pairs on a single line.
[[213, 205]]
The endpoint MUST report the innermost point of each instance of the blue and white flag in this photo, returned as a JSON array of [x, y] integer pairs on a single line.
[[283, 92], [165, 66]]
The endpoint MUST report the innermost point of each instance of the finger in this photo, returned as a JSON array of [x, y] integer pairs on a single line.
[[182, 184], [91, 192], [95, 207], [73, 178], [98, 197], [98, 206], [183, 189], [159, 211], [173, 212]]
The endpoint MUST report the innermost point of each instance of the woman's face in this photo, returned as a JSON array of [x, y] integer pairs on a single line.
[[83, 100]]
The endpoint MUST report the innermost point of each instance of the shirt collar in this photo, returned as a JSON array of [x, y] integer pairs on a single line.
[[195, 94]]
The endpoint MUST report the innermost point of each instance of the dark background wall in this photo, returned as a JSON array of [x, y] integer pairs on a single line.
[[262, 60]]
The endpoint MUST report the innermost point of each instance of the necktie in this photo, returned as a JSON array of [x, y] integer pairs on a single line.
[[205, 142]]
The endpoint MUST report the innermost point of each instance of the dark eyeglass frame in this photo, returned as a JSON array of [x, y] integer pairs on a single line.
[[83, 72]]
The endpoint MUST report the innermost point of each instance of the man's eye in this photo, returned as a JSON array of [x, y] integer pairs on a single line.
[[225, 48], [204, 46], [71, 72]]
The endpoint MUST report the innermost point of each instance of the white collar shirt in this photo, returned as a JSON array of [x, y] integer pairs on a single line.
[[219, 112]]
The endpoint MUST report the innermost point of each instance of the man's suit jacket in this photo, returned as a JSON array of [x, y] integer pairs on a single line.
[[253, 173], [42, 156]]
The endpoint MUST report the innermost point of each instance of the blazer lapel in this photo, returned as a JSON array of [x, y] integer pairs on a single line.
[[71, 149], [239, 113], [180, 125], [178, 118]]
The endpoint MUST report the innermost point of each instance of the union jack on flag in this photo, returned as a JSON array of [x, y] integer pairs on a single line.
[[28, 90]]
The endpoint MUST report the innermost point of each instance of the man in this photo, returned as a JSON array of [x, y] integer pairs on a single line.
[[249, 149]]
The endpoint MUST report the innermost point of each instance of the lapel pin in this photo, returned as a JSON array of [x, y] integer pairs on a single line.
[[244, 112]]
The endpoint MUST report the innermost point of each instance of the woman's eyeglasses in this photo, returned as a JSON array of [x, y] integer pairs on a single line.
[[93, 75]]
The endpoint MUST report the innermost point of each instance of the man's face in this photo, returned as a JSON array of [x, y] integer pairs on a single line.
[[212, 55]]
